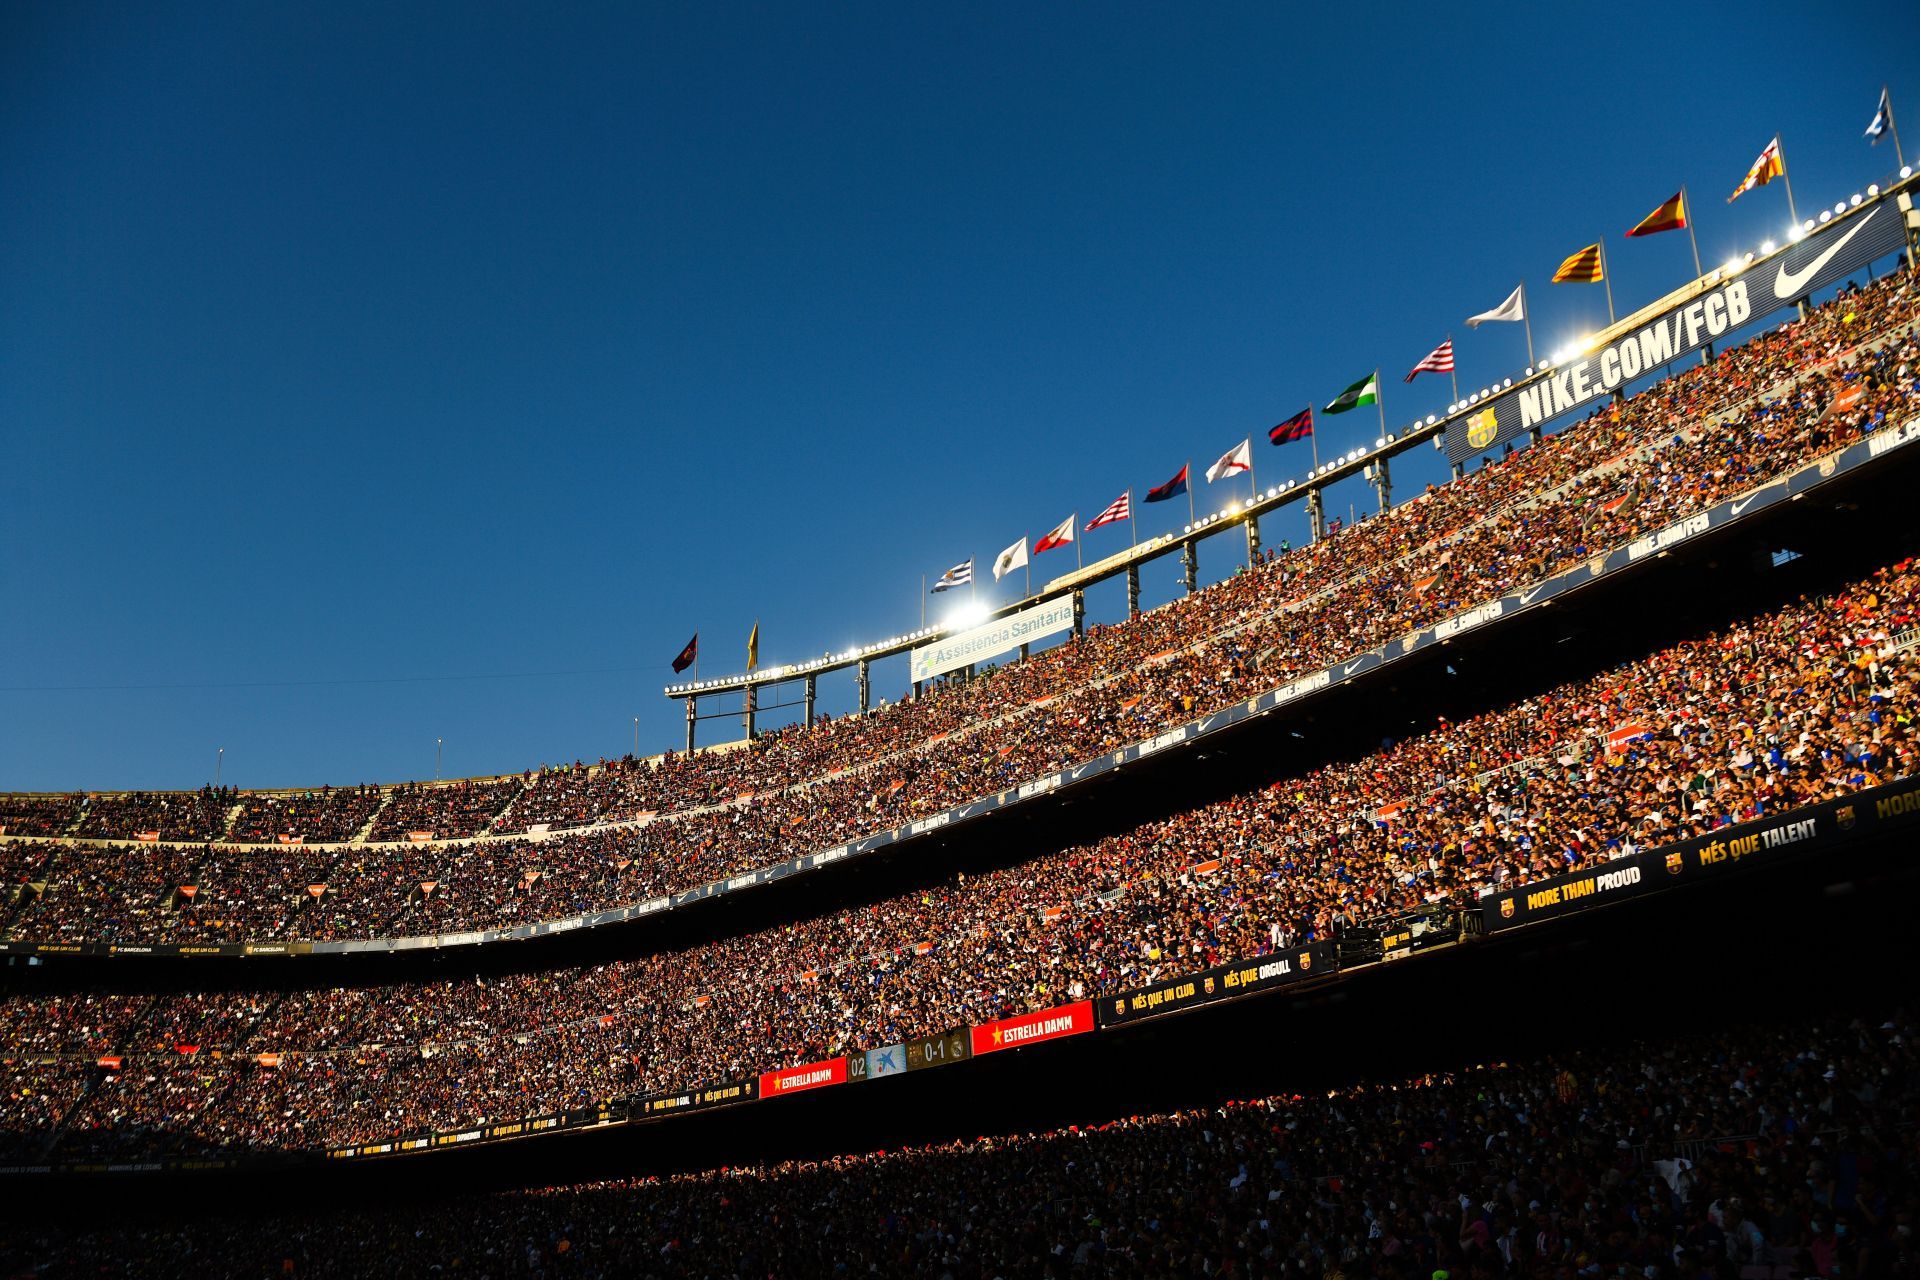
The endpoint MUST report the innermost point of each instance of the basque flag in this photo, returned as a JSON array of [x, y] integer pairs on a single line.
[[687, 655], [1172, 488], [1298, 427]]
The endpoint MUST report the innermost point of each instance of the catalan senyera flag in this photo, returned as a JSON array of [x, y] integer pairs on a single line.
[[1582, 268], [1670, 216], [1768, 166]]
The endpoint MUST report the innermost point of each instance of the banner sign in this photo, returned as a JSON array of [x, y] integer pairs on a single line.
[[1771, 840], [991, 639], [718, 1095], [1261, 973], [1032, 1028], [1826, 257], [815, 1075]]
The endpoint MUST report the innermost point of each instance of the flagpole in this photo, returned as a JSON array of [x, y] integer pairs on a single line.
[[1027, 556], [1252, 479], [1787, 178], [1526, 318], [1187, 471], [1893, 127], [1686, 207], [1380, 402], [1454, 372], [1313, 438], [1606, 278], [923, 601], [1074, 525], [1133, 536]]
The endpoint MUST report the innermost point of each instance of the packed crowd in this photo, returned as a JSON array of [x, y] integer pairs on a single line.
[[1794, 706], [1691, 440], [1776, 1151], [329, 814], [161, 815], [444, 810]]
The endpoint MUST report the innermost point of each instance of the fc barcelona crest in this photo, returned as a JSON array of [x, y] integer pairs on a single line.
[[1506, 908], [1675, 863], [1844, 814]]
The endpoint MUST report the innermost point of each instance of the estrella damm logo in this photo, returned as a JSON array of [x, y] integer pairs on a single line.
[[1844, 815], [1481, 428], [1506, 908], [1675, 863]]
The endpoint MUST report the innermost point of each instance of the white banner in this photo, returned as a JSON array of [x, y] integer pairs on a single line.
[[991, 639]]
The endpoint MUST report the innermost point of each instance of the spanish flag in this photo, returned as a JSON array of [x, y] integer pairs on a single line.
[[1582, 268], [1670, 216], [1765, 169]]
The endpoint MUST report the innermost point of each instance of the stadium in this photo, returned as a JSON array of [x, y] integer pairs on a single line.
[[1509, 877]]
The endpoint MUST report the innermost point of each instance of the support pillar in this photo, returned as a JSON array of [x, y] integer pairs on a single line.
[[1133, 590], [1190, 561], [753, 701], [865, 686], [1536, 435], [1026, 651], [1459, 470], [1383, 481], [812, 689], [691, 717], [1316, 514], [1079, 613], [1253, 540]]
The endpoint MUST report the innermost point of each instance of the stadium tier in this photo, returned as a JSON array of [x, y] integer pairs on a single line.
[[1760, 740], [1777, 1150], [625, 835]]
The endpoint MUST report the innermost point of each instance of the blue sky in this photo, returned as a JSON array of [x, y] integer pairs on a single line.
[[377, 374]]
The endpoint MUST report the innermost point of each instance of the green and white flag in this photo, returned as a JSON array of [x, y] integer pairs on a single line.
[[1365, 391]]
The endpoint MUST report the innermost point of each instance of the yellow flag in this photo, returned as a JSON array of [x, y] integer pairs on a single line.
[[753, 646]]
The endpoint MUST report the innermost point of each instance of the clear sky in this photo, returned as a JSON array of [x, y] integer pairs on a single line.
[[372, 374]]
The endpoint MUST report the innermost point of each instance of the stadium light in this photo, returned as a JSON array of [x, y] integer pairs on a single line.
[[1842, 206], [1766, 246], [1906, 171], [1825, 217], [1873, 189], [1431, 419], [1855, 202]]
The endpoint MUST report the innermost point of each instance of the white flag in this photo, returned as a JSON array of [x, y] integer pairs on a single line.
[[1237, 459], [1012, 558], [1514, 308]]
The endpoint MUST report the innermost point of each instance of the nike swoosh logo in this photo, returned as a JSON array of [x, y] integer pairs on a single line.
[[1787, 284], [1349, 668], [1528, 595]]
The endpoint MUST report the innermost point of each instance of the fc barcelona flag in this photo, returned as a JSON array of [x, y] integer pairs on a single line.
[[1298, 427], [687, 655], [1171, 489]]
